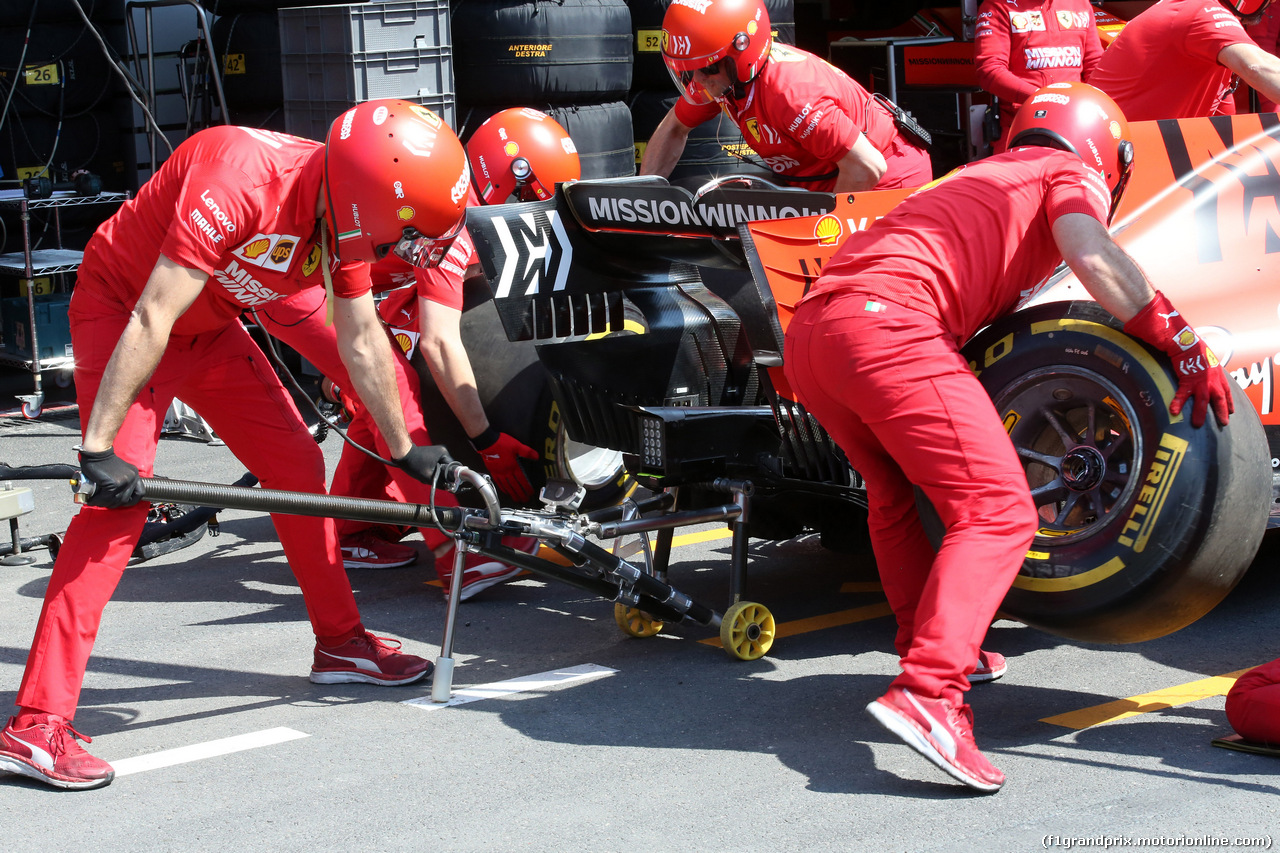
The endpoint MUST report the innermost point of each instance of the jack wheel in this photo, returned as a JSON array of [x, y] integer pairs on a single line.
[[635, 622], [747, 630], [31, 411]]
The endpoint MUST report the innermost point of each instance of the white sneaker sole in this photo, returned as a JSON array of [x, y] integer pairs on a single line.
[[989, 675], [469, 590], [19, 767], [916, 739], [349, 677]]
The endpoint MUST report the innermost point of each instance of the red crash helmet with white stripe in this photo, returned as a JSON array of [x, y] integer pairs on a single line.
[[523, 152], [1247, 8], [698, 34], [395, 180], [1083, 120]]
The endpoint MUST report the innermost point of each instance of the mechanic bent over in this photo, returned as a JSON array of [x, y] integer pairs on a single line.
[[519, 153], [235, 218], [873, 353], [810, 122]]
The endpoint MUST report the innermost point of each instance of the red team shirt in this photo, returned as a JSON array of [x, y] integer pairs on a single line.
[[441, 284], [919, 257], [1023, 45], [1164, 64], [803, 115], [234, 202]]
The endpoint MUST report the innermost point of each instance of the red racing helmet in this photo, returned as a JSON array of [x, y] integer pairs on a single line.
[[395, 180], [698, 34], [1083, 120], [1246, 8], [521, 151]]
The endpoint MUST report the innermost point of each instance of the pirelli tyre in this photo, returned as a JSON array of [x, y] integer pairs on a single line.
[[553, 51], [601, 133], [517, 399], [1146, 523]]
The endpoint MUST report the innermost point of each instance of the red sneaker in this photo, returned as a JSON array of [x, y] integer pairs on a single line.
[[368, 550], [941, 732], [991, 665], [483, 572], [48, 751], [367, 659]]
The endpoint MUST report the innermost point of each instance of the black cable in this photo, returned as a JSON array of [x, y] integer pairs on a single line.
[[280, 367], [26, 40]]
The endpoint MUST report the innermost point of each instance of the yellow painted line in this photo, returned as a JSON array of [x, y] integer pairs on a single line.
[[1157, 700], [818, 623], [862, 586]]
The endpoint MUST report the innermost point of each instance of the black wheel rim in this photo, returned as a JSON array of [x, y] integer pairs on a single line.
[[1081, 445]]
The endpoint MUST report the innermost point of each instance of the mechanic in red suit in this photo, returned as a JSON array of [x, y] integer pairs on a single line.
[[1021, 45], [517, 152], [1177, 58], [1253, 705], [809, 122], [873, 353], [1266, 35], [235, 218]]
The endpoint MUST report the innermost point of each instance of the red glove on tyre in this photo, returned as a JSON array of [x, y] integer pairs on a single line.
[[502, 454], [1199, 374]]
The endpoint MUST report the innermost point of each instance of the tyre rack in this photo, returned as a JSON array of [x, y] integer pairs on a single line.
[[30, 263]]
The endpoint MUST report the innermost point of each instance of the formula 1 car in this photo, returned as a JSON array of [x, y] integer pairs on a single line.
[[658, 316]]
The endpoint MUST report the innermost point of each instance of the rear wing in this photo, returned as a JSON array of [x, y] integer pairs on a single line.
[[559, 268]]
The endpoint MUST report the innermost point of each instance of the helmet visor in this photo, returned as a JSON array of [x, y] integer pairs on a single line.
[[422, 251], [689, 82]]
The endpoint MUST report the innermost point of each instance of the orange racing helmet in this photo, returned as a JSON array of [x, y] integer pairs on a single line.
[[698, 34], [1083, 120], [395, 181], [521, 151]]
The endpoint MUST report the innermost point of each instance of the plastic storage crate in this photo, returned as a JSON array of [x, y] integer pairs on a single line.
[[52, 326], [335, 56]]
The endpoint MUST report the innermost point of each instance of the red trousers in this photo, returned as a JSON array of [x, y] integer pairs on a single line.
[[892, 389], [299, 322], [226, 378], [1253, 704]]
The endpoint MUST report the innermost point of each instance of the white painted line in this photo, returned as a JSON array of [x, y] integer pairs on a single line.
[[210, 749], [523, 684]]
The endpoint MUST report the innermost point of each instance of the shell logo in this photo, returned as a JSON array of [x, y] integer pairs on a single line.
[[405, 213], [404, 342], [1186, 338], [254, 250], [828, 230], [1019, 22], [752, 27], [1114, 127], [511, 149]]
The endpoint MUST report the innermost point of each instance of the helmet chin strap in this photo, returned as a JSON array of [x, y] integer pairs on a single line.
[[328, 276]]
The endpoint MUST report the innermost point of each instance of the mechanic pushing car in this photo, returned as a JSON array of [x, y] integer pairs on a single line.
[[812, 125], [873, 352], [1022, 45], [520, 153], [235, 218], [1176, 60]]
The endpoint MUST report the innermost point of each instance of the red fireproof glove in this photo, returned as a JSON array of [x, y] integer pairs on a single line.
[[501, 454], [1199, 374]]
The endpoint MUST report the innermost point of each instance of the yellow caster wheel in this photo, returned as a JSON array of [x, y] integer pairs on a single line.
[[747, 630], [634, 622]]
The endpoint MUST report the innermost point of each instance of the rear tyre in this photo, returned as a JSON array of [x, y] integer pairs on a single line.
[[1146, 523]]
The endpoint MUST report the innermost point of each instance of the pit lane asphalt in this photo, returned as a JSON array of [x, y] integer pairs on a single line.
[[680, 749]]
